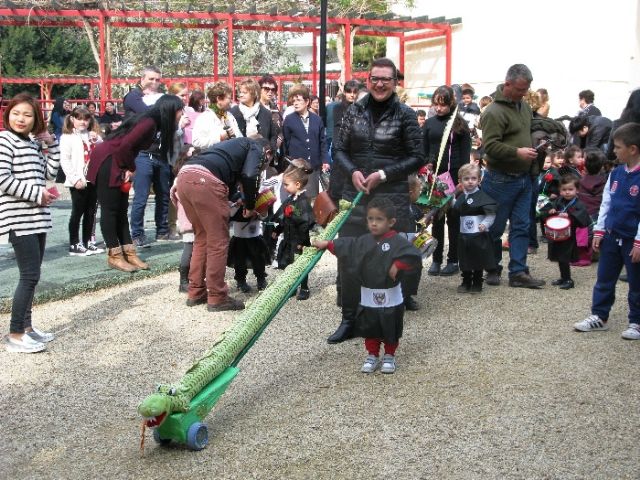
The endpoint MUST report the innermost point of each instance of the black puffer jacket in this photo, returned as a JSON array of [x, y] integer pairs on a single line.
[[393, 144]]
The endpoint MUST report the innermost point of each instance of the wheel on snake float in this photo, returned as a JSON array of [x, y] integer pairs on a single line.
[[159, 440], [197, 436]]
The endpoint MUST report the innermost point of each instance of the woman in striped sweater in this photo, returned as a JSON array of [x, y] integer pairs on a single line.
[[29, 156]]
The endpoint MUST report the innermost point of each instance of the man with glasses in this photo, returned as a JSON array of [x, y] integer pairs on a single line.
[[377, 147]]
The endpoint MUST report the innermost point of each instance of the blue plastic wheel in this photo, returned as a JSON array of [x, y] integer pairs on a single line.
[[197, 436], [159, 440]]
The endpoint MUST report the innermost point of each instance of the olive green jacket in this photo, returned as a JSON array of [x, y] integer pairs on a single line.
[[506, 126]]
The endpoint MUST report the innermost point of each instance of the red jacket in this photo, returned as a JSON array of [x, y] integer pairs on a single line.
[[123, 150]]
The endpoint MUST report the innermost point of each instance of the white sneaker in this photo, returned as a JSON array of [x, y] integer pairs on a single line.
[[24, 344], [388, 364], [93, 250], [632, 332], [40, 336], [370, 364], [78, 250], [593, 323]]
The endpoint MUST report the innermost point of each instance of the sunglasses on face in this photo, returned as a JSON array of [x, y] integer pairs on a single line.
[[270, 89]]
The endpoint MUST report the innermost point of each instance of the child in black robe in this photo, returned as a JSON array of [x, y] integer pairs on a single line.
[[477, 212], [567, 205], [379, 258], [295, 219]]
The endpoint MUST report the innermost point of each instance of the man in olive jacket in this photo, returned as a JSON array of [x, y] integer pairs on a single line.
[[378, 145], [506, 135]]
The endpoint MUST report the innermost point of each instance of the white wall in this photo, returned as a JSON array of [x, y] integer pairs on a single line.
[[570, 45]]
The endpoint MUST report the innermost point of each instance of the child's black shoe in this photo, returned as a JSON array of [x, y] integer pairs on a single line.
[[566, 285], [244, 287], [303, 294], [558, 282], [262, 283]]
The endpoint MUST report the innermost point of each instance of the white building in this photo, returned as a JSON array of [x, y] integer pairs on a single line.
[[570, 45]]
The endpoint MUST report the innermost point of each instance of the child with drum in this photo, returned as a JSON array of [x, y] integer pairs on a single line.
[[617, 236], [563, 216], [477, 212]]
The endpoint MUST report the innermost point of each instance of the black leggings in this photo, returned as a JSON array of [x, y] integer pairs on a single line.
[[29, 251], [83, 207], [114, 204], [565, 270], [453, 228]]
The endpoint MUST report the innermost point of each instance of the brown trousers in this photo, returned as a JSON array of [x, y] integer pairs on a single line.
[[205, 201]]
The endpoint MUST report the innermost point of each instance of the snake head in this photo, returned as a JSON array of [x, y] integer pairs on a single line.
[[157, 406]]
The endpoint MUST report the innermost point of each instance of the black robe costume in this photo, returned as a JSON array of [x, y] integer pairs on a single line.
[[295, 219], [475, 250], [370, 259], [252, 252], [567, 251]]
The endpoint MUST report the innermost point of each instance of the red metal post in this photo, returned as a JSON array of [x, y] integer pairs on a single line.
[[402, 45], [314, 66], [230, 54], [101, 65], [347, 51], [447, 34], [215, 56]]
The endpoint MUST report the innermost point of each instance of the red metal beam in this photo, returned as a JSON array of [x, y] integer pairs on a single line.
[[102, 63], [425, 36], [401, 56]]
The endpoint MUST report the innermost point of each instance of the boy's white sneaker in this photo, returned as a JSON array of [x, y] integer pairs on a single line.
[[370, 364], [25, 344], [388, 364], [632, 332], [593, 323]]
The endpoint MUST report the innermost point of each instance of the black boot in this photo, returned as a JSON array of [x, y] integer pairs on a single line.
[[476, 282], [344, 331], [184, 279]]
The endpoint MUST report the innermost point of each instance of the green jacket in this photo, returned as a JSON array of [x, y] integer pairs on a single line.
[[505, 128]]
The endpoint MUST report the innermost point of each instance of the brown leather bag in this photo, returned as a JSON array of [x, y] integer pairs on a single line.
[[324, 209]]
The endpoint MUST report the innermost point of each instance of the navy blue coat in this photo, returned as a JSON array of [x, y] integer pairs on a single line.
[[298, 143]]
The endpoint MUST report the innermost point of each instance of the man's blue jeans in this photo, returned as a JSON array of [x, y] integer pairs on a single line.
[[150, 170], [513, 194]]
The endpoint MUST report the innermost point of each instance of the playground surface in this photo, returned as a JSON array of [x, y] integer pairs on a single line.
[[491, 386]]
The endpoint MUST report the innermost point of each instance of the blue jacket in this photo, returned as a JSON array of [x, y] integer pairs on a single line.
[[622, 218], [311, 146]]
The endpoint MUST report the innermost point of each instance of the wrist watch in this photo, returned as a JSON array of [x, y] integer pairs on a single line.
[[383, 176]]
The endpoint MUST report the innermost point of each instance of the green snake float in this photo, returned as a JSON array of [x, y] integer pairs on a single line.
[[233, 343]]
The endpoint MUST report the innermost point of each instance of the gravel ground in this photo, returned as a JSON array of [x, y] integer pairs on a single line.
[[493, 386]]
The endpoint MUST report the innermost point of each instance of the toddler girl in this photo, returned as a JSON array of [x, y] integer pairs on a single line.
[[295, 218]]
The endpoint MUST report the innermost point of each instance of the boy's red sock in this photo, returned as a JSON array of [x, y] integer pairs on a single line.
[[390, 348], [373, 346]]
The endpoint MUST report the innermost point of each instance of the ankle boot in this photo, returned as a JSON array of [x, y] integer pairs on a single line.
[[344, 331], [131, 256], [116, 260], [184, 279]]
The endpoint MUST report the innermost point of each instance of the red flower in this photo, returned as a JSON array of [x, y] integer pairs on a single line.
[[125, 187], [548, 177], [288, 210]]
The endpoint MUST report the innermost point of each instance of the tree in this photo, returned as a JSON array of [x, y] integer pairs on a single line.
[[39, 52]]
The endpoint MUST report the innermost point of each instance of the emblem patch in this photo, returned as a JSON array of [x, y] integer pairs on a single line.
[[385, 247], [380, 298], [468, 224], [614, 186], [633, 191], [469, 201]]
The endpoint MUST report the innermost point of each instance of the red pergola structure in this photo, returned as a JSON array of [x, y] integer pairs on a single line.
[[406, 29]]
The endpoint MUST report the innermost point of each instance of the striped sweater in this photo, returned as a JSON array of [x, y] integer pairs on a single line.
[[24, 170]]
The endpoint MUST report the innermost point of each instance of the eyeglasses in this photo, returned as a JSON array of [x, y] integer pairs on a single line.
[[270, 89], [384, 80]]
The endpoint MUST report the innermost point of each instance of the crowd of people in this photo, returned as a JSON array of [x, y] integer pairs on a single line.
[[236, 182]]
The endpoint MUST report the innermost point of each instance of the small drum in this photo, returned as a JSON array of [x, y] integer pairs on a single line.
[[265, 199], [557, 229], [424, 242]]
